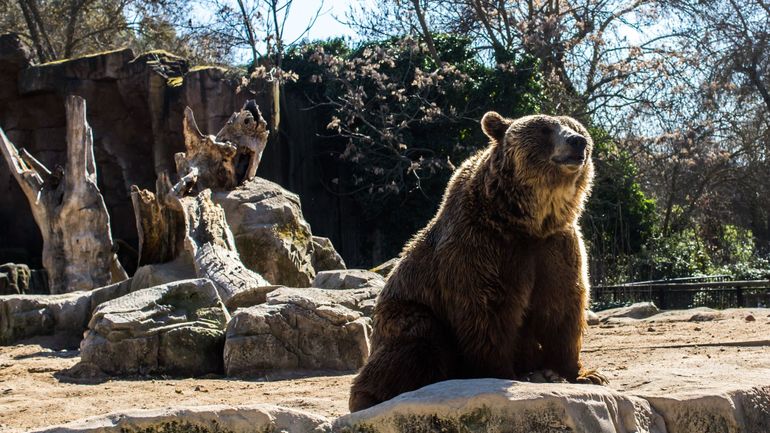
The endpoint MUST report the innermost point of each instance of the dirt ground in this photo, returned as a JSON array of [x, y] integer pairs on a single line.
[[658, 356]]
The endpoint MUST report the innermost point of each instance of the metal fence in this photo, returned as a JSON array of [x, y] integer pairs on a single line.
[[714, 291]]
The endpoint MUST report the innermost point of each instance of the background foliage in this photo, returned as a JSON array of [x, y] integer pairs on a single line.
[[676, 94]]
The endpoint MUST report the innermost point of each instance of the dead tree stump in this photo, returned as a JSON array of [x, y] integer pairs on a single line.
[[69, 209], [226, 160], [182, 221], [160, 227]]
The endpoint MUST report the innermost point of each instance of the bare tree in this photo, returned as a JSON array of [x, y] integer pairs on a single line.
[[257, 26], [597, 56], [62, 29], [254, 25]]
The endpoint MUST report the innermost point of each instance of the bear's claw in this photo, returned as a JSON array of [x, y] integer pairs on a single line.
[[592, 377]]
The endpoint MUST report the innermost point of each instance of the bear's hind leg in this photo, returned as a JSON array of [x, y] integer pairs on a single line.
[[412, 349]]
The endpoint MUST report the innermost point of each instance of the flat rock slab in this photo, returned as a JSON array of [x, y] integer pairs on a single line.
[[176, 328], [727, 410], [640, 310], [298, 329], [249, 298], [348, 279], [484, 405], [361, 300], [157, 274], [202, 419], [469, 406], [65, 315]]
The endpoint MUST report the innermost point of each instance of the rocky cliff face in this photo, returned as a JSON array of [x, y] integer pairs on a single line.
[[135, 107]]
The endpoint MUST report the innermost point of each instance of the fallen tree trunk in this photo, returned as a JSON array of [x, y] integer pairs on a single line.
[[69, 209]]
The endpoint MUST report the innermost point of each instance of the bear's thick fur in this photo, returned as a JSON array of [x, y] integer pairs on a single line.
[[496, 284]]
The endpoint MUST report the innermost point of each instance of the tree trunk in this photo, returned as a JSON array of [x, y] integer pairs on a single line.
[[160, 228], [425, 30], [69, 209]]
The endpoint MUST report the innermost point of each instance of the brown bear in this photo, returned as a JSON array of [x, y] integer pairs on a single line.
[[496, 284]]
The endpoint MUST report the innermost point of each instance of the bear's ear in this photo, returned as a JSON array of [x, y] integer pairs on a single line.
[[495, 125]]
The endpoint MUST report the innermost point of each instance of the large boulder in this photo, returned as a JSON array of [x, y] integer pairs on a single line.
[[271, 234], [26, 316], [156, 274], [175, 329], [201, 419], [348, 279], [486, 405], [299, 329], [64, 316], [14, 279], [19, 279], [325, 257]]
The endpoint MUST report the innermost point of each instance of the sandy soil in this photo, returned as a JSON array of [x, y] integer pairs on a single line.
[[657, 356]]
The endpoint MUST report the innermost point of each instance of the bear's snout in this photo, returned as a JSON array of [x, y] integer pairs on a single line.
[[578, 143], [576, 150], [570, 150]]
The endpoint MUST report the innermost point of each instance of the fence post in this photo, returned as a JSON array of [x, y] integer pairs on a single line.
[[739, 296], [662, 297]]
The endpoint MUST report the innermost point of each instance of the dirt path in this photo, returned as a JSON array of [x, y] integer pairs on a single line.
[[656, 356]]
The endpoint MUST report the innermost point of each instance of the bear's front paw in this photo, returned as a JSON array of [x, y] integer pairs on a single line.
[[544, 376], [592, 377]]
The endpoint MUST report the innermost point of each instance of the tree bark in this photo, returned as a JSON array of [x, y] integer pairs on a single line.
[[425, 30], [160, 228], [226, 160], [69, 209]]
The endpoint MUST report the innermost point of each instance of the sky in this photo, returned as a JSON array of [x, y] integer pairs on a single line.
[[302, 12], [300, 16]]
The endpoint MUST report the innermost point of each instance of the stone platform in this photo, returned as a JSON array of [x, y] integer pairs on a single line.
[[689, 371]]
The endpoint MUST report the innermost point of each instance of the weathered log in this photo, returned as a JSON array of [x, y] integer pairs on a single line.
[[225, 269], [198, 230], [247, 129], [69, 209], [226, 160], [210, 243]]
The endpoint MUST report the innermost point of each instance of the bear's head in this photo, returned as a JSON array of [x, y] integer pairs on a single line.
[[540, 147], [539, 169]]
